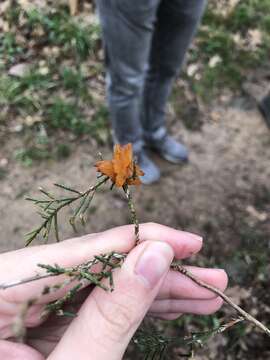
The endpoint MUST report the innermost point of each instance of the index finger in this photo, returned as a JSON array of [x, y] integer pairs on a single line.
[[75, 251]]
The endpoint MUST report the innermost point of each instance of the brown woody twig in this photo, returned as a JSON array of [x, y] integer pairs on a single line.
[[218, 292]]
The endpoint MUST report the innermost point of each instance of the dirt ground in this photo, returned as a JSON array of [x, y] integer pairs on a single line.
[[229, 159], [223, 193]]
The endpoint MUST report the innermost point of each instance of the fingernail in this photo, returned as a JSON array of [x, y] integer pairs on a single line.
[[221, 270], [154, 263], [196, 237]]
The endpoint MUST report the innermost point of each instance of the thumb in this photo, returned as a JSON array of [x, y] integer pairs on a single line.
[[108, 320]]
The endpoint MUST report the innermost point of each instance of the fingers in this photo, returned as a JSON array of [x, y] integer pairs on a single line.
[[108, 320], [165, 316], [198, 307], [14, 351], [179, 286], [180, 295], [78, 250], [183, 243]]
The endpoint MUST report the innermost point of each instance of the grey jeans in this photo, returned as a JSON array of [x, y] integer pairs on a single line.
[[145, 43]]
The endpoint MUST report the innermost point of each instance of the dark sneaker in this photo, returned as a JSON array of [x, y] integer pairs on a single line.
[[264, 107], [169, 149], [151, 171]]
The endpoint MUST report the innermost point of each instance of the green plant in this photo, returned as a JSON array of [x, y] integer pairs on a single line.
[[55, 86], [217, 38], [64, 115], [9, 47], [65, 31], [22, 93], [29, 155], [63, 151]]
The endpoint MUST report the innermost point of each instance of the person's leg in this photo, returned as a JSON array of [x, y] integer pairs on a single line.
[[127, 27], [264, 107], [177, 21]]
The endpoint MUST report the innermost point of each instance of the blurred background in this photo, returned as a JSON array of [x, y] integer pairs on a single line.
[[54, 121]]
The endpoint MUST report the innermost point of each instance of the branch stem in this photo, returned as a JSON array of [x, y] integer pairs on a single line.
[[218, 292], [25, 281], [65, 202], [132, 209], [112, 260]]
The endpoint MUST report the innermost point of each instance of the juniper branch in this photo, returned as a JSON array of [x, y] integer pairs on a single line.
[[108, 263], [25, 281], [132, 209], [50, 208], [218, 292], [155, 344], [81, 275]]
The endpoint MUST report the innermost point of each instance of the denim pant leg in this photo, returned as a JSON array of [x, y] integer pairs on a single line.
[[177, 21], [127, 27]]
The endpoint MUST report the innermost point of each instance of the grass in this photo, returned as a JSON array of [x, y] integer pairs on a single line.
[[24, 95], [217, 38], [63, 114], [41, 147], [9, 47], [249, 13], [54, 86], [33, 154]]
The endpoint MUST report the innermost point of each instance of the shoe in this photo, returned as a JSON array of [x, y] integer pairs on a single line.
[[151, 171], [169, 149], [264, 107]]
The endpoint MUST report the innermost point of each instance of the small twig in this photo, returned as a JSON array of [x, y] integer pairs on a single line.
[[49, 213], [111, 260], [213, 289], [81, 274], [18, 327], [228, 325], [25, 281], [56, 228], [133, 213]]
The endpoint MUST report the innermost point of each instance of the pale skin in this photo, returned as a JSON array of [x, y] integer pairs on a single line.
[[106, 321]]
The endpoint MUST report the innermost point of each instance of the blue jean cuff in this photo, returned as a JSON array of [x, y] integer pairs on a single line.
[[156, 135]]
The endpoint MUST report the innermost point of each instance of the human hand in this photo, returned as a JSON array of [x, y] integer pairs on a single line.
[[106, 321]]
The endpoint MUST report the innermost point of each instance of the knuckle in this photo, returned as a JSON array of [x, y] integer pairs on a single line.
[[151, 224], [119, 317]]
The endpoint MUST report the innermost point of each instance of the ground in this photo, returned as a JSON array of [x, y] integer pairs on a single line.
[[223, 193]]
